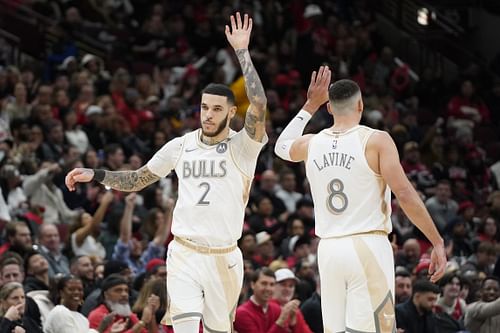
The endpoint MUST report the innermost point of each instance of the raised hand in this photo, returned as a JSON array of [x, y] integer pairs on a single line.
[[130, 199], [154, 302], [317, 93], [239, 33], [78, 175]]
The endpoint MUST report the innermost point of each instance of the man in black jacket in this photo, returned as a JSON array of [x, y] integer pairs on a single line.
[[415, 315]]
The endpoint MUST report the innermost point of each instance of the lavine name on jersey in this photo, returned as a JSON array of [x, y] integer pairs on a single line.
[[334, 159]]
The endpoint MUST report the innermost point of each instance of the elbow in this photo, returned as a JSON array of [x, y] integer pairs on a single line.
[[282, 150]]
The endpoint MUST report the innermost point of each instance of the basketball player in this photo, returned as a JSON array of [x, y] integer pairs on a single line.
[[350, 169], [215, 166]]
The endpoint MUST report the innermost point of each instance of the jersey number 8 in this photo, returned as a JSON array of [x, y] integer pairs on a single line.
[[337, 200]]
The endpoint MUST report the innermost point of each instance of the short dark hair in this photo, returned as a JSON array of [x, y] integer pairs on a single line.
[[401, 273], [490, 278], [342, 90], [220, 90], [266, 271], [425, 286], [447, 278]]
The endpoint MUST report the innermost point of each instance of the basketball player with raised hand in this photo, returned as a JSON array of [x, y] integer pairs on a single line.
[[215, 166], [352, 170]]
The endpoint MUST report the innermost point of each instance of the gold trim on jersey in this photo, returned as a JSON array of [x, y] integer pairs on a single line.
[[204, 249], [373, 232]]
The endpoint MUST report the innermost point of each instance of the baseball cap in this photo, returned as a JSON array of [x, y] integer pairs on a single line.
[[283, 274], [262, 237], [411, 145], [152, 99], [312, 10], [422, 265], [88, 58], [93, 109], [153, 264], [112, 281]]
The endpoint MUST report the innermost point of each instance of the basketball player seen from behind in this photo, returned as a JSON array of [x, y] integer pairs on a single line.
[[215, 167], [352, 170]]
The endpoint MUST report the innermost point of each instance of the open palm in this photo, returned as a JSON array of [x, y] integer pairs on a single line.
[[239, 33]]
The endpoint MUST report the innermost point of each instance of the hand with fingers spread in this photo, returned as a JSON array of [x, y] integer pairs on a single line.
[[438, 263], [78, 175], [317, 93], [239, 33]]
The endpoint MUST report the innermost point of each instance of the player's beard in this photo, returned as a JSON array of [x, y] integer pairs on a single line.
[[121, 309], [219, 129]]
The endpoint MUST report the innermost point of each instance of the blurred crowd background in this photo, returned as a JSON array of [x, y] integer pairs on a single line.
[[122, 77]]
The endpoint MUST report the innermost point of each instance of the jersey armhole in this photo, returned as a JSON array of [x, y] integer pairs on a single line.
[[236, 163], [364, 143]]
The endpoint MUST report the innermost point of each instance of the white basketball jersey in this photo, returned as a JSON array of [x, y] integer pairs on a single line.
[[214, 185], [349, 197]]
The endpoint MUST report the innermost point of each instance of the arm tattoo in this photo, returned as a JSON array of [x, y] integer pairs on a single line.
[[130, 181], [255, 118]]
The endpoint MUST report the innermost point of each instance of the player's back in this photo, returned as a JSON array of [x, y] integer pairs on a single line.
[[349, 197]]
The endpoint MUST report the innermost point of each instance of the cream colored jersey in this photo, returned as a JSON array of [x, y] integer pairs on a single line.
[[214, 185], [349, 197]]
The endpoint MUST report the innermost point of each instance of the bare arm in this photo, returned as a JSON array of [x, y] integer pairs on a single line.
[[126, 221], [93, 227], [127, 181], [409, 200], [163, 230], [255, 120], [239, 38]]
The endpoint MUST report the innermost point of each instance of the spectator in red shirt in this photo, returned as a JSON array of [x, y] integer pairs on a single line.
[[284, 291], [115, 295], [467, 107], [259, 314]]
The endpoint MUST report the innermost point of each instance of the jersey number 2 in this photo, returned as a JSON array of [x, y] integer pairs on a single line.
[[202, 201], [337, 200]]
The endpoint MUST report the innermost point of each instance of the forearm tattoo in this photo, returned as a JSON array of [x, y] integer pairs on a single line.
[[255, 117], [129, 181]]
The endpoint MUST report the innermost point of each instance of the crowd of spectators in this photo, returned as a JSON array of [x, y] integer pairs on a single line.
[[95, 258]]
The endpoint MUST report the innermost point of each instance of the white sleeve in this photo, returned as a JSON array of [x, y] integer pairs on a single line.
[[165, 159], [245, 151], [291, 132]]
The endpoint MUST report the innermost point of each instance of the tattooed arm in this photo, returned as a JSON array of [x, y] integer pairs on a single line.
[[127, 181], [239, 38]]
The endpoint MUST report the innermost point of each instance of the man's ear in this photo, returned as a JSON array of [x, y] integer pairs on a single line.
[[329, 108], [360, 105], [232, 111]]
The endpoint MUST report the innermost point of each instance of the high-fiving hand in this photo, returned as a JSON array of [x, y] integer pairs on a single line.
[[239, 33], [317, 93]]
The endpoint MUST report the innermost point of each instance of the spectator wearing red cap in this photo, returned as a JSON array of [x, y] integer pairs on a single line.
[[156, 268], [130, 250]]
